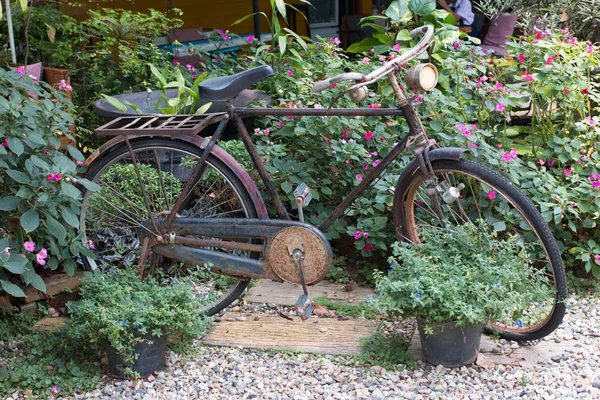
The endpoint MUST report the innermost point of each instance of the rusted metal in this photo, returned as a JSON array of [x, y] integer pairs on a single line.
[[316, 255], [225, 263], [195, 175], [160, 125], [374, 174], [260, 167], [318, 112], [220, 244]]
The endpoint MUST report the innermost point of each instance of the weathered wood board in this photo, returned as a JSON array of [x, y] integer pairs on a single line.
[[54, 285], [51, 324], [526, 356], [328, 336], [285, 294]]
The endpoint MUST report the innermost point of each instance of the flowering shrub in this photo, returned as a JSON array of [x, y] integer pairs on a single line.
[[39, 195]]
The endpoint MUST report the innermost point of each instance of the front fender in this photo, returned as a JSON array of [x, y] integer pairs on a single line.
[[218, 152], [446, 153]]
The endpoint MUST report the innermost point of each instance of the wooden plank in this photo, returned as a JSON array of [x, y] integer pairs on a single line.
[[266, 291], [54, 285], [524, 355], [327, 336], [51, 324]]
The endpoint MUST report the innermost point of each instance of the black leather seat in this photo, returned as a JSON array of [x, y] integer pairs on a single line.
[[224, 88]]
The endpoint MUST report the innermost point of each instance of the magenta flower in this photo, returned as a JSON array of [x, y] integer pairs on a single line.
[[528, 78], [57, 177], [595, 184], [357, 235], [218, 59], [225, 37], [568, 171], [365, 234], [368, 247], [40, 258], [65, 86], [597, 257], [506, 157], [499, 145], [550, 163], [396, 47], [376, 163], [513, 153], [491, 194], [175, 62], [474, 145], [500, 107], [521, 58], [359, 178], [366, 60], [585, 91], [5, 143], [366, 166], [389, 123], [550, 60], [29, 246], [418, 99], [456, 45], [54, 389], [91, 245], [290, 73], [220, 31], [79, 163], [251, 38], [369, 136], [590, 49], [566, 92]]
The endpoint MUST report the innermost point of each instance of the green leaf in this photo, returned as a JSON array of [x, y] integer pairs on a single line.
[[16, 264], [75, 153], [69, 216], [9, 203], [204, 108], [116, 103], [364, 45], [38, 283], [23, 5], [396, 9], [16, 145], [11, 288], [30, 220], [89, 185], [158, 75], [282, 44], [56, 228], [403, 35], [70, 266], [286, 187], [69, 190], [281, 7], [422, 7], [18, 176]]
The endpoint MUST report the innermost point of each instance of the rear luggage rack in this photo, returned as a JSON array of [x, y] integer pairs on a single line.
[[159, 125]]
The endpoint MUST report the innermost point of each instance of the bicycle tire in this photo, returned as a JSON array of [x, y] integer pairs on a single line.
[[413, 209], [147, 150]]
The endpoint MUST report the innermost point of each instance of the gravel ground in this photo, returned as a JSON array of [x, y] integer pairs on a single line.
[[232, 373]]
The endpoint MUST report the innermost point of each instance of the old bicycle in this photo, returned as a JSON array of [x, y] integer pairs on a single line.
[[170, 195]]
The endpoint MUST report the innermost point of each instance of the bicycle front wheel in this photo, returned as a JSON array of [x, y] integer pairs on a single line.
[[489, 196], [112, 218]]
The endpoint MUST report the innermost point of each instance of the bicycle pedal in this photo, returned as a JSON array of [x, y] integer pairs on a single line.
[[304, 307]]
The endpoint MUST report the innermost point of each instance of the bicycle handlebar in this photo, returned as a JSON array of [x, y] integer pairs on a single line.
[[426, 31]]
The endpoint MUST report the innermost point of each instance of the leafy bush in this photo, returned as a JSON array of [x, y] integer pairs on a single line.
[[39, 197], [116, 307], [465, 276]]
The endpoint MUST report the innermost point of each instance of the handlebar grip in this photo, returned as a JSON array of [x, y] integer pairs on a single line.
[[321, 85]]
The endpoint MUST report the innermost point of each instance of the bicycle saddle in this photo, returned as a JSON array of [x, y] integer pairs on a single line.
[[224, 88]]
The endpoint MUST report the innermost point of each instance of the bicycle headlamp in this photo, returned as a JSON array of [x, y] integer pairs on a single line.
[[422, 77]]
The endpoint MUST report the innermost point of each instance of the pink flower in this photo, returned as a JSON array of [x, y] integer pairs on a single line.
[[21, 70], [550, 60], [382, 58], [335, 41], [499, 145], [396, 47], [5, 143], [500, 107], [418, 99], [389, 123], [595, 184], [357, 235], [348, 162], [280, 124], [513, 153], [218, 59], [220, 31], [491, 194], [382, 138], [175, 62], [590, 49], [568, 171], [521, 58], [50, 177], [40, 258], [506, 157], [79, 163], [366, 60], [91, 245], [251, 38], [550, 163], [29, 246], [376, 163], [585, 91], [541, 162], [366, 166], [474, 145], [528, 78], [359, 177], [566, 91], [365, 234], [65, 86], [225, 37], [54, 389], [456, 45], [327, 140], [597, 257], [290, 73], [372, 51], [368, 247], [369, 135], [57, 177]]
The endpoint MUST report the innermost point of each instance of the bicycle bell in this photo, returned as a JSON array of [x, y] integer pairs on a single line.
[[359, 94], [422, 77]]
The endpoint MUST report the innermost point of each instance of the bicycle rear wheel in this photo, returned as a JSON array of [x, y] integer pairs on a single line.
[[487, 195], [112, 218]]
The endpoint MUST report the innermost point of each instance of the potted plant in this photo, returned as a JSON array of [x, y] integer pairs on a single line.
[[131, 318], [456, 281]]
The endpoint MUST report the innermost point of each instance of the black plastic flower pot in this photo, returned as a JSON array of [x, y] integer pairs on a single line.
[[151, 357], [450, 345]]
